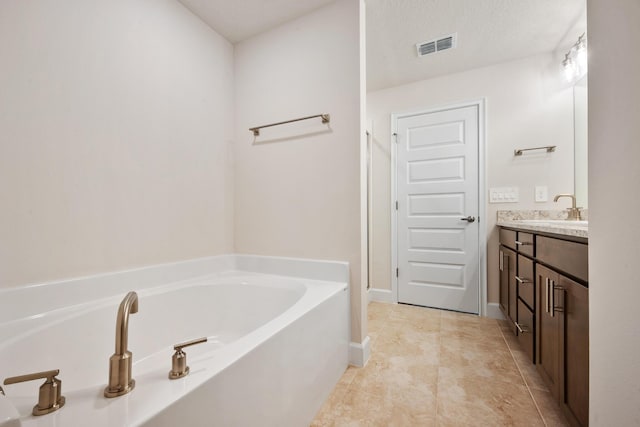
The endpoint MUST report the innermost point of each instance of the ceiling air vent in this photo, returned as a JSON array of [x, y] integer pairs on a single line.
[[433, 46]]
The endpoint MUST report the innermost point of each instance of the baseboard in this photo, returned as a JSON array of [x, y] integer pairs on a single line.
[[493, 311], [380, 295], [359, 353]]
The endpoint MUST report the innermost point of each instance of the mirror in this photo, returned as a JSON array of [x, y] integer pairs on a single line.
[[580, 141]]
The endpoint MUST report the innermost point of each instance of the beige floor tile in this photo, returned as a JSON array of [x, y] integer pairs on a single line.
[[376, 310], [463, 402], [398, 378], [348, 375], [431, 367], [425, 346], [511, 340], [549, 409], [481, 334], [466, 318], [411, 312], [529, 372], [329, 412], [361, 408], [462, 362]]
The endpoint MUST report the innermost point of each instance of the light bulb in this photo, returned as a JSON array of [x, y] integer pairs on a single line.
[[569, 68], [581, 57]]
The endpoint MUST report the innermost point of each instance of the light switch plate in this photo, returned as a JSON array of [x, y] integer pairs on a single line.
[[542, 193], [504, 195]]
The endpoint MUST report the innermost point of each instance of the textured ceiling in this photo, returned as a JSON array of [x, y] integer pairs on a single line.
[[237, 20], [489, 32]]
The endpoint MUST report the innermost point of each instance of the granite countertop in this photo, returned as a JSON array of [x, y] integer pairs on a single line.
[[562, 227], [548, 221]]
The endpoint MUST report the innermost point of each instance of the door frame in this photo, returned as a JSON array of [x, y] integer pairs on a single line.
[[482, 202]]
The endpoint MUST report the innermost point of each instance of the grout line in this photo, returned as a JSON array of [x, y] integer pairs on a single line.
[[524, 379]]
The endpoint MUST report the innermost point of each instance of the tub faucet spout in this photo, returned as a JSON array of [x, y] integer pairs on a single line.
[[120, 381]]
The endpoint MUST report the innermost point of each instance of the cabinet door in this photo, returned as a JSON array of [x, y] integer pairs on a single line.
[[505, 257], [575, 395], [548, 329], [513, 291], [508, 295]]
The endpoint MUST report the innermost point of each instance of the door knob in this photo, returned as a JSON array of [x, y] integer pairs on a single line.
[[469, 219]]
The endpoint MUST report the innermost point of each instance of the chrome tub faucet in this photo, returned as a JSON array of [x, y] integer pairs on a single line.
[[120, 381]]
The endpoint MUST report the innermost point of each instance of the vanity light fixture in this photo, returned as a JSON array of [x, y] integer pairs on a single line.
[[569, 67], [575, 61]]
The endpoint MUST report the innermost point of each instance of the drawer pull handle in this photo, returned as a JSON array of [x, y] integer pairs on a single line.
[[523, 281], [519, 243], [523, 329]]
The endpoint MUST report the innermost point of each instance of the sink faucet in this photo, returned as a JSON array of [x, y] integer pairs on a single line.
[[120, 381], [574, 212]]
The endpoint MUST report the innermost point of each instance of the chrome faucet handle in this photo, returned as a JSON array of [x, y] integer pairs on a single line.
[[179, 366], [50, 397]]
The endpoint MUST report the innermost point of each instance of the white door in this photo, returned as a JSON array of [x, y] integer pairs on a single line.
[[437, 225]]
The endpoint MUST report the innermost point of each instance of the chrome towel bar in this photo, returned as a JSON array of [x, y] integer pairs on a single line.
[[326, 118]]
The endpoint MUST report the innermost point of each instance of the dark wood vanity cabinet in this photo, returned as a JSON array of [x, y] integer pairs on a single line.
[[563, 324], [551, 320], [508, 292], [516, 285]]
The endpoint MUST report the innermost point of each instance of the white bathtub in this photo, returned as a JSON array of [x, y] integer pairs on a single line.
[[277, 345]]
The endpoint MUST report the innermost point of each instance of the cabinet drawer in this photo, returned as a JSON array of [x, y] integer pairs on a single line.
[[568, 257], [525, 243], [526, 280], [525, 329], [508, 238]]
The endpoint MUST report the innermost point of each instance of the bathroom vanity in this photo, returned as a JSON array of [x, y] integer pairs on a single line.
[[544, 294]]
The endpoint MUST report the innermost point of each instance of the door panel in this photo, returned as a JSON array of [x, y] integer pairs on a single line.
[[503, 259], [576, 349], [548, 329], [437, 180]]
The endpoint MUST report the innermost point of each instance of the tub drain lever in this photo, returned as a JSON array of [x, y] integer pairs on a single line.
[[179, 366], [50, 396]]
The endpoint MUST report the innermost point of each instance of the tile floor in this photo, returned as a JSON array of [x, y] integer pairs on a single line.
[[438, 368]]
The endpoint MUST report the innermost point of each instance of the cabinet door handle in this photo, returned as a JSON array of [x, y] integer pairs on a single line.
[[522, 281], [553, 297], [523, 329], [519, 243], [546, 294], [501, 261], [554, 307]]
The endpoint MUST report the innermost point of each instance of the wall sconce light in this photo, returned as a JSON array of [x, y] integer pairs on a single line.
[[575, 61]]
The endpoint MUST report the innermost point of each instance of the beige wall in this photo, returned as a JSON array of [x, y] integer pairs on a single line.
[[528, 104], [614, 236], [115, 130], [298, 186]]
